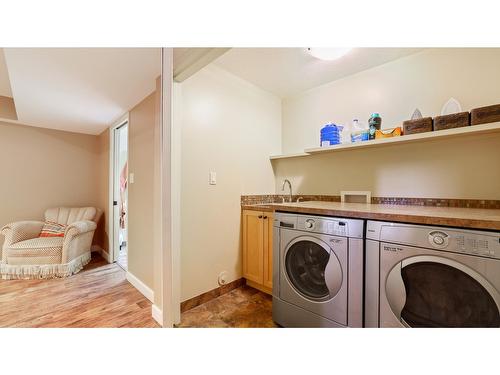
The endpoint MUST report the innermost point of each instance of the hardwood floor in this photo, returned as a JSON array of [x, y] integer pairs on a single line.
[[97, 296]]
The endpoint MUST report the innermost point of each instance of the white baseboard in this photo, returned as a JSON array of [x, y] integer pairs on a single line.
[[100, 250], [96, 249], [106, 256], [141, 287], [157, 314]]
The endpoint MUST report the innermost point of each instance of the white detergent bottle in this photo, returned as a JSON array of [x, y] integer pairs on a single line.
[[346, 134], [358, 131]]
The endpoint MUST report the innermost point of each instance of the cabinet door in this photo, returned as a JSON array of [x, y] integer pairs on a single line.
[[268, 249], [253, 246]]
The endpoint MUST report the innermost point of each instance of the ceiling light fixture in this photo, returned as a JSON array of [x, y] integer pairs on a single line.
[[328, 53]]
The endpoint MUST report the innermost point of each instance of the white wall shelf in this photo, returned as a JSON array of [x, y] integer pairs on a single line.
[[493, 127], [297, 155]]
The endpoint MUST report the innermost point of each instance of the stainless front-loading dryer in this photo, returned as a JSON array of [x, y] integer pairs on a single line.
[[420, 276], [318, 271]]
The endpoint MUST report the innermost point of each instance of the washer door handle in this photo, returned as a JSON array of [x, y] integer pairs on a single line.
[[333, 275]]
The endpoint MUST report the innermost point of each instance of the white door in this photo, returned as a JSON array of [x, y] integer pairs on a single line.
[[120, 194]]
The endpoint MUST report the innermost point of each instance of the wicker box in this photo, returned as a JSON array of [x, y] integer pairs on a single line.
[[485, 115], [455, 120], [420, 125]]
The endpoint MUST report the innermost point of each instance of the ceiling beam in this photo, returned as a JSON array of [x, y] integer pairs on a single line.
[[188, 61]]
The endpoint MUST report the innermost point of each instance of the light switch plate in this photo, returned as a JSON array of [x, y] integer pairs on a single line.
[[131, 178], [212, 178]]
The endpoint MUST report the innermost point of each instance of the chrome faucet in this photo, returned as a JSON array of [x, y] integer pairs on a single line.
[[290, 186]]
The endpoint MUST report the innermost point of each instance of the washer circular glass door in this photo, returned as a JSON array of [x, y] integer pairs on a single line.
[[306, 261], [439, 292]]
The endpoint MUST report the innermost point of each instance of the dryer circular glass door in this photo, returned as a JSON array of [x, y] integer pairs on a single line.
[[313, 269], [439, 292]]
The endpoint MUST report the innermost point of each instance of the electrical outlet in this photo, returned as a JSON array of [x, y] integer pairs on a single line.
[[222, 279]]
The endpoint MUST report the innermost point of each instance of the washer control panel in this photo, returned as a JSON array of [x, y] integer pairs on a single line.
[[335, 227]]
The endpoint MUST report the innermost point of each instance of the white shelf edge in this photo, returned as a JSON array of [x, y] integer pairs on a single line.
[[286, 156]]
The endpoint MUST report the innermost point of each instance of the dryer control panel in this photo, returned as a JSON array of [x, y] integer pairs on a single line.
[[476, 244], [468, 243], [480, 243]]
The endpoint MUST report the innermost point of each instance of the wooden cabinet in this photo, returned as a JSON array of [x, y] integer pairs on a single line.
[[268, 250], [258, 249]]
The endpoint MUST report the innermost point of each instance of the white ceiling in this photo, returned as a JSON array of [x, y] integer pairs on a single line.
[[288, 71], [4, 77], [79, 89]]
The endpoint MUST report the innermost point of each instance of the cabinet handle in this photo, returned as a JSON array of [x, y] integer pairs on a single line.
[[260, 216], [265, 217]]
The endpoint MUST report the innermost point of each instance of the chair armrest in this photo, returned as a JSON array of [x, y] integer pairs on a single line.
[[77, 239], [21, 231], [80, 227]]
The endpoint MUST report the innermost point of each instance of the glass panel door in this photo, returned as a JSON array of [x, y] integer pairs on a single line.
[[439, 295], [305, 264]]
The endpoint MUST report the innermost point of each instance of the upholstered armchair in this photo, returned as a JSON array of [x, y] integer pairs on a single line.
[[25, 255]]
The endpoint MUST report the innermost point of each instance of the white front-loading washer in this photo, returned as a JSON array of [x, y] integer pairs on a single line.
[[421, 276], [318, 271]]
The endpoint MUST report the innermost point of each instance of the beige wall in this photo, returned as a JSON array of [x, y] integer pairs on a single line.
[[230, 127], [459, 168], [141, 192], [141, 159], [44, 168], [465, 168]]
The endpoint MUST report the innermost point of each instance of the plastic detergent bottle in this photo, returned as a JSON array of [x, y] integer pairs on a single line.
[[374, 123], [329, 135], [345, 136], [358, 131]]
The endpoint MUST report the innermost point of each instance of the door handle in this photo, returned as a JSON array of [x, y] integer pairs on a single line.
[[115, 203]]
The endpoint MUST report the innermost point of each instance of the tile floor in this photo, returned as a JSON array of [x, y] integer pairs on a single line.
[[244, 307]]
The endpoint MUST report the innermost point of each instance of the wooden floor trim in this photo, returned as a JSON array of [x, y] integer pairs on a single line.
[[211, 294]]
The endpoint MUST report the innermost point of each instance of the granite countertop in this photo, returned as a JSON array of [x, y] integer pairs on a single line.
[[475, 218]]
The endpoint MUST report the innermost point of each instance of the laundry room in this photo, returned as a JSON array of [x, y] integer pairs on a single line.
[[282, 187], [338, 187]]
